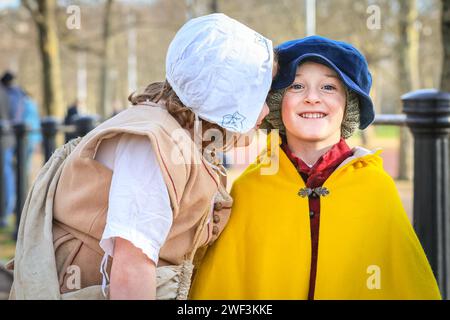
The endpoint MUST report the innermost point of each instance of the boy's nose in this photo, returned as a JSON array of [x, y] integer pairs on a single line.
[[312, 97]]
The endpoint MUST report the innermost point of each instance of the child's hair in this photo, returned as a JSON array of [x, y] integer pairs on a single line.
[[352, 114], [275, 68], [162, 92]]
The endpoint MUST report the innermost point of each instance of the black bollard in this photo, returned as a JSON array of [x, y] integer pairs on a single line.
[[85, 124], [49, 127], [3, 128], [428, 117], [20, 131]]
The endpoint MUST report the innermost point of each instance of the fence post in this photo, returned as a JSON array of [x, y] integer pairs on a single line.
[[20, 131], [428, 117], [85, 124], [49, 127], [3, 128]]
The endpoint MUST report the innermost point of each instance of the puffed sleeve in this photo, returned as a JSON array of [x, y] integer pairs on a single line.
[[139, 205]]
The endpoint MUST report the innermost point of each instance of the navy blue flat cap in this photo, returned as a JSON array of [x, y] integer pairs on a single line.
[[346, 60]]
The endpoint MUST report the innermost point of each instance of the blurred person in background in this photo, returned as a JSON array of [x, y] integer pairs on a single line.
[[33, 121], [7, 145], [71, 115], [16, 96], [15, 114]]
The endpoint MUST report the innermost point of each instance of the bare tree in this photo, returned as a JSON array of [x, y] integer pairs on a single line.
[[196, 8], [409, 77], [43, 13], [105, 60], [445, 27], [214, 6]]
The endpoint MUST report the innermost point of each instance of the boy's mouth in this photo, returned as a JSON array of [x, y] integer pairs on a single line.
[[312, 115]]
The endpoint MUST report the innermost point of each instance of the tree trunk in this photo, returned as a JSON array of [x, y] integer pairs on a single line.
[[81, 80], [368, 135], [413, 38], [445, 78], [190, 9], [105, 59], [409, 76], [44, 16], [214, 6]]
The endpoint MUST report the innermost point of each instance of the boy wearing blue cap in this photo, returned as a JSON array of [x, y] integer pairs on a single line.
[[329, 224]]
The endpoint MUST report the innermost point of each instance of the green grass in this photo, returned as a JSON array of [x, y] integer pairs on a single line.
[[7, 244], [387, 131], [383, 132]]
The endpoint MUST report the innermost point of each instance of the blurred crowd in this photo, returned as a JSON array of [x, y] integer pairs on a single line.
[[16, 106]]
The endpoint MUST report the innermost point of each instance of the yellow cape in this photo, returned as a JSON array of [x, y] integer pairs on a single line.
[[367, 246]]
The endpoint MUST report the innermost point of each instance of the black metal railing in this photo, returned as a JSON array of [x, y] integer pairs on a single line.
[[426, 113], [50, 127], [428, 117], [390, 120]]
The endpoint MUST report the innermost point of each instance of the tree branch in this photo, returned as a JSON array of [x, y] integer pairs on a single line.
[[36, 15], [83, 47]]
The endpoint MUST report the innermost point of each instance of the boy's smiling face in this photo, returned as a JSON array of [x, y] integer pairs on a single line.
[[314, 104]]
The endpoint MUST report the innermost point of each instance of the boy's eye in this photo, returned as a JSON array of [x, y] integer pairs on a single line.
[[329, 87], [296, 87]]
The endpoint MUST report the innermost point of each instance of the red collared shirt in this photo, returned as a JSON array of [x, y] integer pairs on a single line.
[[314, 177]]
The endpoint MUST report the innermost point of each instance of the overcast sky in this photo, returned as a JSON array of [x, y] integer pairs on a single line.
[[9, 3]]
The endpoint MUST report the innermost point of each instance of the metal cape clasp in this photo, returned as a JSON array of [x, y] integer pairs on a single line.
[[314, 192]]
